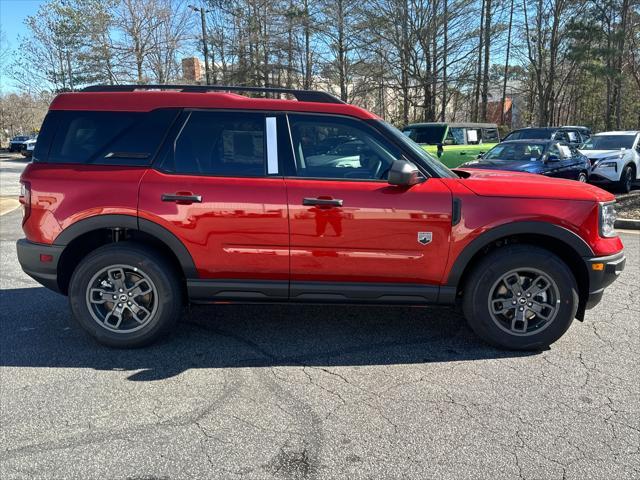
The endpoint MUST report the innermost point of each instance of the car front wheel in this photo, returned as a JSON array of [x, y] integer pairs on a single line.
[[125, 295], [520, 297], [626, 179]]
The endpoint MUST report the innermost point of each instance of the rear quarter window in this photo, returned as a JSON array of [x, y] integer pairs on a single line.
[[103, 138]]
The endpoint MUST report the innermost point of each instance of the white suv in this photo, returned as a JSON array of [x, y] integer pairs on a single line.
[[615, 158]]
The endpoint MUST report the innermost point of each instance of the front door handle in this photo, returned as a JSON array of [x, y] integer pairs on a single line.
[[321, 202], [182, 198]]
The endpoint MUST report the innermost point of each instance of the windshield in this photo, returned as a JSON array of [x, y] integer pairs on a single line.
[[609, 142], [429, 134], [435, 164], [530, 133], [516, 152]]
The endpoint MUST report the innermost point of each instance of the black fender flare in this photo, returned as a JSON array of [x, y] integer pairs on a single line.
[[517, 228], [131, 222]]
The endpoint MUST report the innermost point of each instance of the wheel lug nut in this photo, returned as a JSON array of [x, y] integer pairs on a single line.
[[521, 309], [528, 294], [129, 303], [115, 296], [120, 290], [519, 294], [119, 305], [514, 302], [130, 293]]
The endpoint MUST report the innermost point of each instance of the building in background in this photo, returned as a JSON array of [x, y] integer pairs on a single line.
[[192, 70]]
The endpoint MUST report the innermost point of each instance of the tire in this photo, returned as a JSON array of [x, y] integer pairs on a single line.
[[627, 178], [485, 286], [155, 300], [583, 177]]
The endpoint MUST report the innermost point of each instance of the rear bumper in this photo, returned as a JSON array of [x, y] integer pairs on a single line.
[[603, 271], [40, 262]]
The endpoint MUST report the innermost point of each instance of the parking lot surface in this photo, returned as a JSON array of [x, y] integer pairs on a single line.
[[296, 392]]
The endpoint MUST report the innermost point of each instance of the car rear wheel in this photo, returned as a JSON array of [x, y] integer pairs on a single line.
[[520, 297], [626, 179], [125, 295], [583, 177]]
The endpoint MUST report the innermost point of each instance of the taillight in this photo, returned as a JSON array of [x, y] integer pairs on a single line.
[[25, 200]]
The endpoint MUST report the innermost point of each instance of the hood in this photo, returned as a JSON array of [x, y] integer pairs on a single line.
[[602, 153], [534, 166], [496, 183]]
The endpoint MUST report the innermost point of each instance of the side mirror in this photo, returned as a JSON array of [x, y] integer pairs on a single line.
[[480, 155], [404, 174]]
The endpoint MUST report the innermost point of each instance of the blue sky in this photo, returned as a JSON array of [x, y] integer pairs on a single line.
[[12, 15]]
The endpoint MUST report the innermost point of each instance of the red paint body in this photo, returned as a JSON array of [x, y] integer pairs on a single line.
[[257, 228]]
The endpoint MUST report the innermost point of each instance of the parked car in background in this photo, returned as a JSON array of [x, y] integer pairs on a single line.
[[545, 157], [18, 143], [615, 158], [29, 147], [454, 143], [574, 136], [585, 132]]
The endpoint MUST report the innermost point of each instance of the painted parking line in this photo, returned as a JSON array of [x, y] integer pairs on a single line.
[[8, 205]]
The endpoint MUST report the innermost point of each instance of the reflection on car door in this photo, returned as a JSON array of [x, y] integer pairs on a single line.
[[349, 226]]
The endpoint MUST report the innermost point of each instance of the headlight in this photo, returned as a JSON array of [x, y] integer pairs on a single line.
[[607, 219]]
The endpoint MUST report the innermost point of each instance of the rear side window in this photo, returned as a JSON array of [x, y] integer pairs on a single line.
[[219, 144], [490, 135], [103, 138]]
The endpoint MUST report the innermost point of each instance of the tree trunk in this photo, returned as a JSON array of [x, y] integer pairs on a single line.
[[487, 51], [476, 101], [506, 66]]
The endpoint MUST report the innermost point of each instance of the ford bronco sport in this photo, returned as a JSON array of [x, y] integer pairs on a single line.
[[140, 199]]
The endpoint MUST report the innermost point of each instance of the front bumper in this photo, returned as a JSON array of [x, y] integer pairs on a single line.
[[603, 271], [40, 262]]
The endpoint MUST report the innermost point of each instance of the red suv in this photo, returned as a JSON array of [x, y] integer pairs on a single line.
[[140, 199]]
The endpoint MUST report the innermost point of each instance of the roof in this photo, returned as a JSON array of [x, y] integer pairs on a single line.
[[577, 127], [453, 125], [147, 100], [619, 132]]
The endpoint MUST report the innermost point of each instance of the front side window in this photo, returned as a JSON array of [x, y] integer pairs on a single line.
[[490, 135], [339, 148], [455, 136], [219, 144], [573, 136]]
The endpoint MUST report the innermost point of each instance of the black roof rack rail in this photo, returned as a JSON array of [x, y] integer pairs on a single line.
[[300, 95]]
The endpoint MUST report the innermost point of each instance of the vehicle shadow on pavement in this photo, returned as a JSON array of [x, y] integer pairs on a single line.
[[36, 330]]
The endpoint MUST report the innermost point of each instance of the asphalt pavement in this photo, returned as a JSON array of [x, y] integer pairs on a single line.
[[311, 392]]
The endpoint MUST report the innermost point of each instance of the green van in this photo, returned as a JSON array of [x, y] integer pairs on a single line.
[[454, 143]]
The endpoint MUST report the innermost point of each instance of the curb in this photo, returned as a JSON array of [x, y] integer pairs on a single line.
[[628, 223]]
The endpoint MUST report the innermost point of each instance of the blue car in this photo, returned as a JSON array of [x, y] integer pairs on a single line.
[[545, 157]]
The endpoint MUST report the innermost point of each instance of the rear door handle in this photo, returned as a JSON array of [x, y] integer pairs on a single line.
[[324, 202], [181, 198]]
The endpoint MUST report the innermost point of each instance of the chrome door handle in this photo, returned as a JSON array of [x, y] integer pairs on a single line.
[[324, 202], [174, 197]]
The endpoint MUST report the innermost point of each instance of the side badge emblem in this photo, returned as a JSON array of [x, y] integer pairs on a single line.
[[424, 237]]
